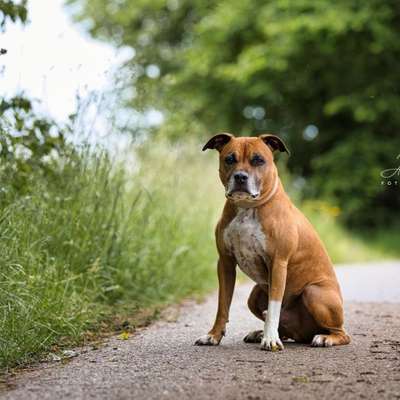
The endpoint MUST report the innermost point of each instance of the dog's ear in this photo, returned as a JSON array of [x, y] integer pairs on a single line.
[[218, 141], [274, 143]]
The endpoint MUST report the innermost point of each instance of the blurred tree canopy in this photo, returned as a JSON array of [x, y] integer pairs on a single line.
[[324, 75]]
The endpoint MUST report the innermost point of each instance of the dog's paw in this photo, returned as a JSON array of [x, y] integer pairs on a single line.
[[254, 337], [322, 341], [271, 342], [207, 340]]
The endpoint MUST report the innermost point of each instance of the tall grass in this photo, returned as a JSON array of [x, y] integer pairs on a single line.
[[100, 237], [108, 236]]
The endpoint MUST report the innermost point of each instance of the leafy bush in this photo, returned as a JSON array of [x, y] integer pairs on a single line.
[[30, 144]]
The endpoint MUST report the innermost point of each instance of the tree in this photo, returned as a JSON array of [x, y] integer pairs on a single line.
[[28, 140], [12, 10], [324, 75]]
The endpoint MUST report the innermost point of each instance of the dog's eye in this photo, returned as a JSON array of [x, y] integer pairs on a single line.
[[231, 159], [257, 160]]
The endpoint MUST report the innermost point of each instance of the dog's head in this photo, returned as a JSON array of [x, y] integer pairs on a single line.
[[247, 168]]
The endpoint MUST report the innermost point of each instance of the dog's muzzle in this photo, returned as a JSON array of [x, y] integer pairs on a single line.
[[241, 186]]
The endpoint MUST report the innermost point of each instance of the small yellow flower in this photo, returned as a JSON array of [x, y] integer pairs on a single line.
[[124, 336]]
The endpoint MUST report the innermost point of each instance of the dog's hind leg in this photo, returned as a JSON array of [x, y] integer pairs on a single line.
[[325, 305], [258, 304]]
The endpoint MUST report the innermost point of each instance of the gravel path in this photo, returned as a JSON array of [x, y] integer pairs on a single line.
[[160, 362]]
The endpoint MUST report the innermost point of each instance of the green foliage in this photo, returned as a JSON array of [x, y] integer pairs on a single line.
[[29, 143], [248, 66], [12, 10]]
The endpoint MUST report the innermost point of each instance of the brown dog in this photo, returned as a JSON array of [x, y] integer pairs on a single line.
[[296, 291]]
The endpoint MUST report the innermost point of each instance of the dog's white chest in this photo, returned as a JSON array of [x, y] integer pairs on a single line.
[[245, 239]]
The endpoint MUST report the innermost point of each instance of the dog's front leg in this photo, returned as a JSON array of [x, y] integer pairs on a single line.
[[226, 279], [277, 283]]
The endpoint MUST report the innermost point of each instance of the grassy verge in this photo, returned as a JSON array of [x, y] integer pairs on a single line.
[[101, 240]]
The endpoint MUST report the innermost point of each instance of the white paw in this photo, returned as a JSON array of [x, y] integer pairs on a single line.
[[321, 341], [271, 342], [207, 340]]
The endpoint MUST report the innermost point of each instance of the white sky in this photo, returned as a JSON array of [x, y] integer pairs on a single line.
[[52, 59]]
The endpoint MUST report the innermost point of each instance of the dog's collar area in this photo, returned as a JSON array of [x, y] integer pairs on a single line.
[[273, 191]]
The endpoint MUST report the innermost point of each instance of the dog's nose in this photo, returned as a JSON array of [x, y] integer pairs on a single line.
[[240, 177]]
